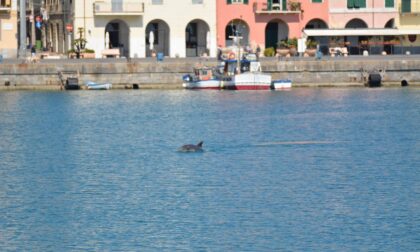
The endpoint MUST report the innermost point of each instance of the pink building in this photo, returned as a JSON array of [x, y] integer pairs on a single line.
[[363, 13], [266, 22]]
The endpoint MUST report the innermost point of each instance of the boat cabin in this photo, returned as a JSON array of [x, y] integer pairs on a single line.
[[245, 65], [203, 73]]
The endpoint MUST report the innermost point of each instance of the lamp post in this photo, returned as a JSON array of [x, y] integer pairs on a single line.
[[22, 17], [79, 43]]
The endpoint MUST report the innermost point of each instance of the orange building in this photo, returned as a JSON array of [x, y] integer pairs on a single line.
[[266, 22]]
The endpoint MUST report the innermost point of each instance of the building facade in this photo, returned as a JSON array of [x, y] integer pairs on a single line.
[[142, 28], [264, 23], [8, 28], [409, 25], [57, 15]]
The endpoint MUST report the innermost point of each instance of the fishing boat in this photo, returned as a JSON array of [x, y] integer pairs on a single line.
[[202, 78], [98, 86], [245, 74], [232, 74]]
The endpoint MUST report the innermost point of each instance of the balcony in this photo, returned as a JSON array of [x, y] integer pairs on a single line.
[[118, 8], [292, 7], [5, 6], [409, 7]]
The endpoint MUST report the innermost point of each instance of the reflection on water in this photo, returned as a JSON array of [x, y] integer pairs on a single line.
[[309, 169]]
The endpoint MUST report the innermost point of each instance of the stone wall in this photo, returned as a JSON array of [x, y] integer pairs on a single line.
[[168, 74]]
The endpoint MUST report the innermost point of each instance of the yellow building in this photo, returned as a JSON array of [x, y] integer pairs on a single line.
[[8, 28], [409, 25]]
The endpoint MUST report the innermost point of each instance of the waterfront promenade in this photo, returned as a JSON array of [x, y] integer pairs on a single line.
[[148, 73]]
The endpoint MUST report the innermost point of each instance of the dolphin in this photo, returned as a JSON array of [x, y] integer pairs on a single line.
[[192, 147]]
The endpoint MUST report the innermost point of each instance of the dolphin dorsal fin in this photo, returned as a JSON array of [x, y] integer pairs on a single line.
[[200, 144]]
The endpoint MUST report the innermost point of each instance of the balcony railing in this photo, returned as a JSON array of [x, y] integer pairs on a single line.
[[292, 7], [409, 7], [5, 5], [118, 8]]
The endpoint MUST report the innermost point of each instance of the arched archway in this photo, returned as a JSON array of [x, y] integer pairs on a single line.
[[196, 38], [388, 47], [316, 23], [237, 27], [322, 41], [119, 36], [390, 23], [355, 41], [275, 31], [356, 23], [161, 37]]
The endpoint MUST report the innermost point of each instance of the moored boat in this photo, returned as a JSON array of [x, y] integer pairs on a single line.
[[244, 74], [281, 84], [203, 78], [98, 86]]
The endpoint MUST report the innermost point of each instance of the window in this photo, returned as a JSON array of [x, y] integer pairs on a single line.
[[356, 4], [406, 6], [389, 3], [157, 1], [197, 1], [5, 3], [237, 1], [316, 1]]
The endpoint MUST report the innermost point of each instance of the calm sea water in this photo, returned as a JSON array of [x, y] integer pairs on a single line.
[[304, 170]]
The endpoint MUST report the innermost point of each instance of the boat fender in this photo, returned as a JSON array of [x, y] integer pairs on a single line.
[[231, 55], [186, 77]]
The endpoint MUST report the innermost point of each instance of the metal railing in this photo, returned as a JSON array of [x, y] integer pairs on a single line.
[[269, 8], [5, 5], [118, 8]]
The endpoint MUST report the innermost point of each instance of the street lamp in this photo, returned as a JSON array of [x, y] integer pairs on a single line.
[[80, 43]]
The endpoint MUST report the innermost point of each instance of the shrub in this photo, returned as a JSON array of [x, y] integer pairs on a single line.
[[89, 50], [269, 52]]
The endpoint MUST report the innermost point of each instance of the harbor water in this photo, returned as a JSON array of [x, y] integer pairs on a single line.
[[301, 170]]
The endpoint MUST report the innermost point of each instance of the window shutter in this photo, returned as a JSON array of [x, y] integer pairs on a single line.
[[245, 1], [406, 6], [362, 3], [350, 4], [389, 3], [269, 4], [229, 1], [316, 1], [284, 5]]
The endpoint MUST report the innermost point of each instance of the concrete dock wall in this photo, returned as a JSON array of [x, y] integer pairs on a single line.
[[167, 74]]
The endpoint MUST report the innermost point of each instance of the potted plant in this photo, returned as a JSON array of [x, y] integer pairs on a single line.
[[283, 48], [88, 54], [269, 52], [292, 45], [311, 47], [294, 6]]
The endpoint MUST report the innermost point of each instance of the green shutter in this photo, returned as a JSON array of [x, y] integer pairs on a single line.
[[350, 4], [389, 3], [356, 3], [229, 1], [284, 5], [362, 3], [316, 1], [406, 6], [269, 4], [245, 1]]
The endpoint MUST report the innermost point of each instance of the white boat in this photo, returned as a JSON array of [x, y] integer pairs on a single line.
[[203, 78], [249, 75], [233, 74], [98, 86], [281, 84]]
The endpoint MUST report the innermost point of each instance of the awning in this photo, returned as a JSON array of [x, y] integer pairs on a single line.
[[359, 32]]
